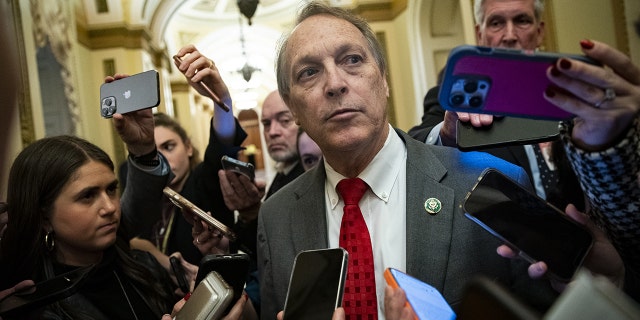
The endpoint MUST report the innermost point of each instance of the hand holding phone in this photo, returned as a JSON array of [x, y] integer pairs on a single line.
[[239, 167], [501, 82], [528, 224], [317, 284], [184, 204], [133, 93], [426, 301]]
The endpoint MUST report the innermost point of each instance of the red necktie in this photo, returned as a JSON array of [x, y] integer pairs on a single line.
[[360, 288]]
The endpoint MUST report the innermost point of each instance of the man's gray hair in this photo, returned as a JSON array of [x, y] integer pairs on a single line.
[[317, 8], [478, 10]]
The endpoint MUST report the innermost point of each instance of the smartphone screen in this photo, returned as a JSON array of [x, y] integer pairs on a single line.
[[136, 92], [426, 301], [317, 284], [528, 224]]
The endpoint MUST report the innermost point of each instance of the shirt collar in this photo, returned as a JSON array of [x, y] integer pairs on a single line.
[[380, 174]]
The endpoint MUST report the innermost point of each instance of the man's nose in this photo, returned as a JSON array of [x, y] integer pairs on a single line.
[[336, 84], [510, 36]]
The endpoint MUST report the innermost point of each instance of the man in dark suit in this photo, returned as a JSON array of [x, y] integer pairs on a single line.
[[331, 73]]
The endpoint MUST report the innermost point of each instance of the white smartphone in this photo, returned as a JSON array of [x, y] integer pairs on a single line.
[[133, 93], [317, 284], [209, 300], [425, 300]]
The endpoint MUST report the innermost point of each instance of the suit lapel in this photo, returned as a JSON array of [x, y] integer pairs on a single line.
[[427, 259], [308, 222]]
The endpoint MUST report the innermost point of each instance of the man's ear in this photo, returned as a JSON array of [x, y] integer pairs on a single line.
[[478, 35], [540, 33]]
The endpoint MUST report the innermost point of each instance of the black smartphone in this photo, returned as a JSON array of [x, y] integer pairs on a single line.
[[425, 300], [133, 93], [180, 274], [234, 269], [184, 204], [501, 81], [44, 293], [238, 167], [317, 283], [505, 131], [209, 300], [528, 224]]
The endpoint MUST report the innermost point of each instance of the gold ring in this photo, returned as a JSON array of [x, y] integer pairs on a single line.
[[210, 64], [198, 240]]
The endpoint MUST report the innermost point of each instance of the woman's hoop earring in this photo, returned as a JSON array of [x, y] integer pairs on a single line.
[[49, 242]]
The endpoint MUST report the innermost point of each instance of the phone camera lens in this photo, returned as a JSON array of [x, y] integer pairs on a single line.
[[457, 99], [470, 87], [475, 101]]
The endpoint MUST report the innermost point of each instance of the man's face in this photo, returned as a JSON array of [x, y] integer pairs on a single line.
[[280, 131], [338, 93], [510, 24]]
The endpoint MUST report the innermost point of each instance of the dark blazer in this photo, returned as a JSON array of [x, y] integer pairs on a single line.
[[445, 250]]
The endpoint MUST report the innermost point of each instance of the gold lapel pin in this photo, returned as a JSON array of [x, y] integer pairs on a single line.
[[432, 206]]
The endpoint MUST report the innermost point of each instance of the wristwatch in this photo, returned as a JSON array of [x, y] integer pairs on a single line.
[[150, 159]]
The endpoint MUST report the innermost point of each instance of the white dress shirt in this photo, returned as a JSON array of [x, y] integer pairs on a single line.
[[383, 207]]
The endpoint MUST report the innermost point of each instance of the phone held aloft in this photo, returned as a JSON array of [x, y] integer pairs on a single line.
[[501, 81], [184, 204], [528, 224], [317, 284], [208, 301], [133, 93]]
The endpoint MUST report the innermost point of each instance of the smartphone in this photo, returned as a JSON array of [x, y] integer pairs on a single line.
[[317, 284], [425, 300], [501, 82], [528, 224], [209, 300], [184, 204], [238, 167], [505, 131], [46, 292], [180, 274], [133, 93], [233, 268]]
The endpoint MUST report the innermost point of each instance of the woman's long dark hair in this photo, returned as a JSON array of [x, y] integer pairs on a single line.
[[36, 179]]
